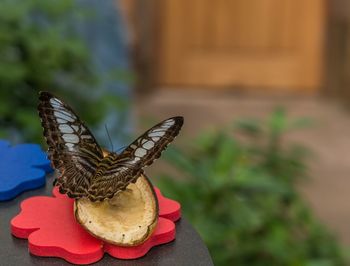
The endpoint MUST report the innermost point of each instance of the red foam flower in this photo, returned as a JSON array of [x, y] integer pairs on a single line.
[[50, 227]]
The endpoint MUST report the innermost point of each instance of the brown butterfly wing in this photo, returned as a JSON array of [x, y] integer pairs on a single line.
[[73, 150], [116, 172]]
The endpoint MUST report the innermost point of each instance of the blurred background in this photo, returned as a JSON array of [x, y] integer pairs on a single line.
[[262, 164]]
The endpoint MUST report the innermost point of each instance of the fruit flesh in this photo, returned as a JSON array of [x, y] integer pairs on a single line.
[[128, 219]]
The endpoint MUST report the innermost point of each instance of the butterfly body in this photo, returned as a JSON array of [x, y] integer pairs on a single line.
[[84, 168], [104, 177]]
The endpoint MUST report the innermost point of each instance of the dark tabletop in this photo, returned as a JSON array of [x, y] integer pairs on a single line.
[[187, 249]]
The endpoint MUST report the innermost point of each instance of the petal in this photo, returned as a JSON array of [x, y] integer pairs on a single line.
[[168, 208], [22, 167], [15, 181], [3, 144], [52, 231], [29, 154]]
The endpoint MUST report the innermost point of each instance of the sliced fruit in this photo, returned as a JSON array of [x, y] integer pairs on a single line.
[[128, 219]]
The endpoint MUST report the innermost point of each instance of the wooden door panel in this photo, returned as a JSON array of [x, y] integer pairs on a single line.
[[259, 43]]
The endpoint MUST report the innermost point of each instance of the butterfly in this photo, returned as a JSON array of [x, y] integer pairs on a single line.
[[75, 153]]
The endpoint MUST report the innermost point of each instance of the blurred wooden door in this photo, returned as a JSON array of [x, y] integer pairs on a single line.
[[266, 44]]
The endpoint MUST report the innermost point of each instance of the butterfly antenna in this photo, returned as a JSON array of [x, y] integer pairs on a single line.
[[109, 137]]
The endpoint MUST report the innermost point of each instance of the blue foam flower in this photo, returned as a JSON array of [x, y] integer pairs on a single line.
[[22, 167]]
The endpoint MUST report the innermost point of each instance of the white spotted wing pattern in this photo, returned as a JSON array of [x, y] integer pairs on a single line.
[[116, 171], [74, 152]]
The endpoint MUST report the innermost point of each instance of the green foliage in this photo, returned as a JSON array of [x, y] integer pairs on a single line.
[[239, 193], [40, 50]]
